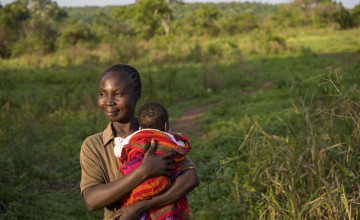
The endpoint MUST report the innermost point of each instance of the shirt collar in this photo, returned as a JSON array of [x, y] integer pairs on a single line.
[[108, 134]]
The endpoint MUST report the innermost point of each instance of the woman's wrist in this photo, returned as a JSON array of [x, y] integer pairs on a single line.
[[142, 173], [154, 202], [146, 205]]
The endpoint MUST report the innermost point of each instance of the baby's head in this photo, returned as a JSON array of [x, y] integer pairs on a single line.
[[153, 115]]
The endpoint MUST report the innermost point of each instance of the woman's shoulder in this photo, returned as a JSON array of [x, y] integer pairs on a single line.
[[99, 139], [94, 140]]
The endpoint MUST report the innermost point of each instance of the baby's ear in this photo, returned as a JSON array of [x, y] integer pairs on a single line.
[[166, 126]]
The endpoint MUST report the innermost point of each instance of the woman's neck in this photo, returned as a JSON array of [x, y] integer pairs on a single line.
[[124, 130]]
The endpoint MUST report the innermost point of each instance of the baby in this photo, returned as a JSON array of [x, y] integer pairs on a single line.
[[154, 124]]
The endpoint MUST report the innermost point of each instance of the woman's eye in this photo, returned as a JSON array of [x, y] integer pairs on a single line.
[[118, 94]]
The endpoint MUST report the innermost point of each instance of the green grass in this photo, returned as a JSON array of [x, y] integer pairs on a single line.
[[278, 146]]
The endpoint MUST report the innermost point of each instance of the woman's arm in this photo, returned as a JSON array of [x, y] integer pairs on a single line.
[[99, 196], [182, 185]]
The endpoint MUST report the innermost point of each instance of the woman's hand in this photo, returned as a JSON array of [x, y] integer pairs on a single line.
[[130, 212], [156, 165]]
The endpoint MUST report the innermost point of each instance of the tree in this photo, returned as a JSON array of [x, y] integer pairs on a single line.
[[150, 13], [307, 4], [206, 17], [41, 28], [12, 23], [330, 13], [148, 17], [239, 23], [74, 33], [355, 13], [343, 18], [291, 16]]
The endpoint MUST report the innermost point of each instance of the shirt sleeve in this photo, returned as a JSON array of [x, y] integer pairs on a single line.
[[187, 164], [91, 173]]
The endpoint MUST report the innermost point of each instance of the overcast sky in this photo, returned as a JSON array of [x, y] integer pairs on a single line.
[[346, 3]]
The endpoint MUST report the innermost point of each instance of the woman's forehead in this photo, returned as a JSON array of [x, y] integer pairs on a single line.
[[116, 77], [115, 80]]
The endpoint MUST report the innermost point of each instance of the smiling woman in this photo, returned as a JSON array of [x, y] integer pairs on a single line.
[[118, 98], [102, 185]]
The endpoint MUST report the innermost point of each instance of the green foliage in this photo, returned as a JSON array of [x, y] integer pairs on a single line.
[[46, 11], [41, 179], [271, 43], [12, 18], [205, 19], [328, 13], [106, 28], [39, 47], [343, 18], [43, 23], [150, 14], [13, 13], [291, 16], [147, 18], [23, 24], [239, 23], [323, 14], [73, 34], [356, 14]]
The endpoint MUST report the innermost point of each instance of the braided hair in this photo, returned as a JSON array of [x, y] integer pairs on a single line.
[[129, 70]]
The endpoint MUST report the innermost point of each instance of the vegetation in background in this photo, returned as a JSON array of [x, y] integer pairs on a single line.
[[51, 30], [281, 140]]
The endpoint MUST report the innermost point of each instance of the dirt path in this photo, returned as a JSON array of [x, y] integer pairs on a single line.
[[187, 122]]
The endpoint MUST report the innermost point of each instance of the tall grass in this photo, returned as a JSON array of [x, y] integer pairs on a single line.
[[303, 165]]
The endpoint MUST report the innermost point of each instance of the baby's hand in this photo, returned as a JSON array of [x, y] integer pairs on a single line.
[[157, 165]]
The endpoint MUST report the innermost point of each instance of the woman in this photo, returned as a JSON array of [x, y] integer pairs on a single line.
[[102, 185]]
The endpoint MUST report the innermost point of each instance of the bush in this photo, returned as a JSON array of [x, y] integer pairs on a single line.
[[239, 23], [73, 34]]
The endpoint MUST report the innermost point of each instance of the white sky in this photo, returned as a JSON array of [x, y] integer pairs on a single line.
[[346, 3]]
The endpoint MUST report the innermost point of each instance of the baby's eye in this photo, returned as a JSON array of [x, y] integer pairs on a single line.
[[118, 94], [101, 94]]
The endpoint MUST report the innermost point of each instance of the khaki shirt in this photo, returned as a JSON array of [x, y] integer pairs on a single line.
[[99, 164]]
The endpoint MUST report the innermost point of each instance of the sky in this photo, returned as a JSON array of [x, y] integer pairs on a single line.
[[70, 3]]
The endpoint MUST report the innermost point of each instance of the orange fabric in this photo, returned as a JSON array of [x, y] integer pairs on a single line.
[[131, 157]]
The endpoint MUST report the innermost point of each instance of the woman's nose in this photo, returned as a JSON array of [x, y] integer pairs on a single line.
[[110, 101]]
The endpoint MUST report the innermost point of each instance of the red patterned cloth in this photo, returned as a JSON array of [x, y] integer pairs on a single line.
[[131, 156]]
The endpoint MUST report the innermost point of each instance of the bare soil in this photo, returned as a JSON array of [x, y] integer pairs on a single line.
[[187, 122]]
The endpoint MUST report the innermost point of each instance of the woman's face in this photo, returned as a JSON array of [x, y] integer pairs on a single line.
[[117, 97]]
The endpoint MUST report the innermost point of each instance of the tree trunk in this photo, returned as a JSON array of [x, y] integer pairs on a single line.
[[165, 21]]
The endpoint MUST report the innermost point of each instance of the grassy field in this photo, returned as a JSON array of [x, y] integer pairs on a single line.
[[281, 138]]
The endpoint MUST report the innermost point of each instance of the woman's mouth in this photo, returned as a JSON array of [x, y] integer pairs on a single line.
[[112, 112]]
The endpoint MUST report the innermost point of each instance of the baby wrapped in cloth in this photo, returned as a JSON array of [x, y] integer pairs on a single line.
[[131, 151]]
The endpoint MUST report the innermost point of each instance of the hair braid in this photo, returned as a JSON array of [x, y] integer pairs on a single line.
[[131, 71]]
